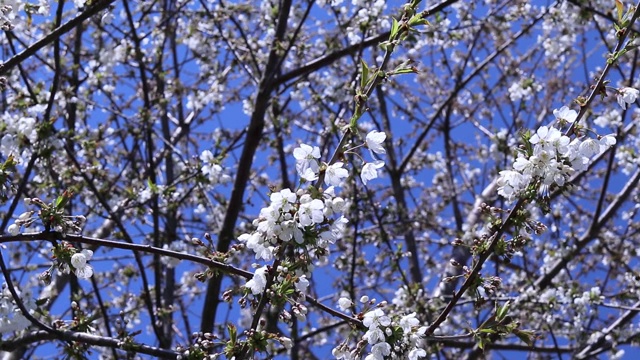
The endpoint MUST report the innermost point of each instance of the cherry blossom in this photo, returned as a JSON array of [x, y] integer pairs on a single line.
[[258, 282], [307, 160], [376, 318], [335, 174], [374, 140], [370, 171], [79, 261], [210, 150], [13, 229], [627, 95], [345, 303], [565, 114]]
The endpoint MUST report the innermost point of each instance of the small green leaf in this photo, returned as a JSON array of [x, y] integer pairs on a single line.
[[404, 71], [620, 8], [395, 26], [481, 344], [152, 186], [232, 333], [365, 74], [417, 19], [502, 311], [527, 336]]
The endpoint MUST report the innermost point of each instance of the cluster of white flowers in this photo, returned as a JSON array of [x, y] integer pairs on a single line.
[[290, 215], [591, 297], [523, 89], [553, 159], [380, 326], [294, 216], [301, 215], [308, 166], [212, 169], [377, 322], [374, 142], [11, 318], [258, 282], [17, 130]]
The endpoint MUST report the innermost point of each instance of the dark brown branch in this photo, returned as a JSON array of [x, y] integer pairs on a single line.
[[66, 335], [127, 246]]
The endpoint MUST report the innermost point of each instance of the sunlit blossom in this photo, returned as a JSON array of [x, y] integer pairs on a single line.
[[374, 141], [627, 95], [79, 261], [370, 171]]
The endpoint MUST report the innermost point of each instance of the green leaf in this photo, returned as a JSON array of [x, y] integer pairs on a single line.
[[481, 344], [152, 186], [233, 336], [365, 74], [417, 19], [620, 8], [404, 71], [527, 336], [395, 26], [59, 201], [502, 311]]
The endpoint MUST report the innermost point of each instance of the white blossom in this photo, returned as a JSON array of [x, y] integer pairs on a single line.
[[283, 200], [255, 242], [306, 160], [565, 114], [627, 95], [511, 183], [379, 351], [258, 282], [374, 141], [13, 229], [335, 173], [212, 170], [79, 261], [549, 139], [311, 211], [370, 171], [376, 318], [302, 284], [374, 335], [606, 142], [417, 353], [344, 303], [408, 321]]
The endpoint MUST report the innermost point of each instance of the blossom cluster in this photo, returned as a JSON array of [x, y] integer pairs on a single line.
[[311, 220], [551, 159], [212, 169], [51, 215], [80, 266], [70, 259], [309, 168], [398, 338], [11, 318]]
